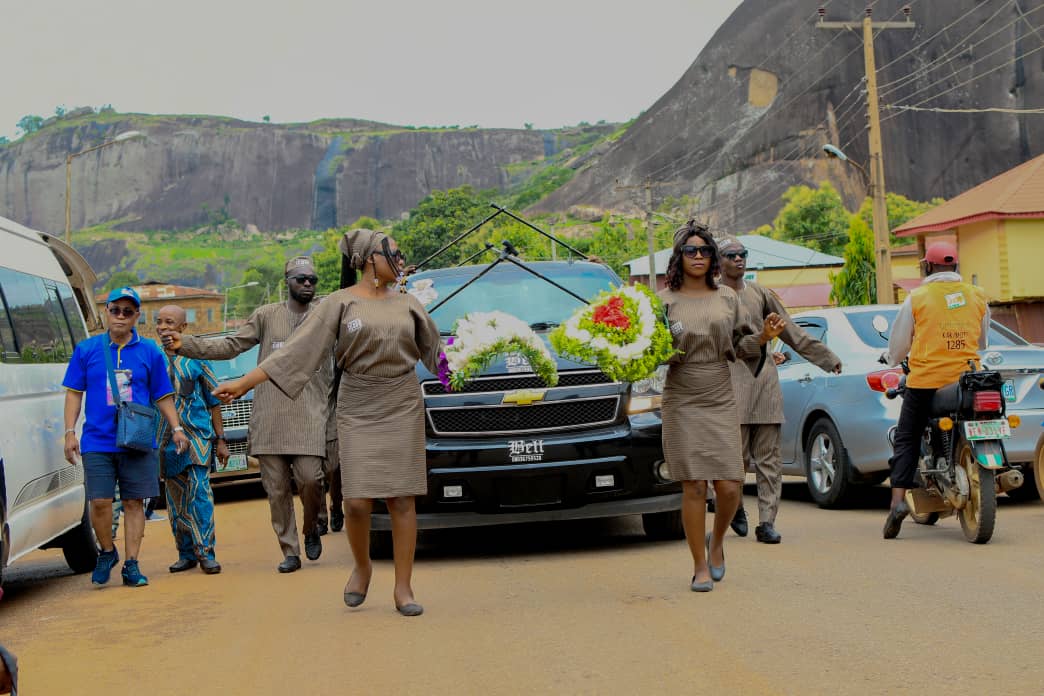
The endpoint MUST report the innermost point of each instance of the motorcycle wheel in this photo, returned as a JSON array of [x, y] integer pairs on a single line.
[[980, 513]]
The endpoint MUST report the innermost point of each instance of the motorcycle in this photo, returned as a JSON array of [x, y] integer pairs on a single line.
[[963, 465]]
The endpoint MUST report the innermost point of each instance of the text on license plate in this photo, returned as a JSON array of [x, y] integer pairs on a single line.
[[987, 430], [236, 462], [1009, 391]]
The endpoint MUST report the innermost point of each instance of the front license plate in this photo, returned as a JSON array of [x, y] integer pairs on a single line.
[[236, 462], [1009, 391], [987, 430]]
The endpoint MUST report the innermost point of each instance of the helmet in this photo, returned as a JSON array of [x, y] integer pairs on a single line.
[[941, 253]]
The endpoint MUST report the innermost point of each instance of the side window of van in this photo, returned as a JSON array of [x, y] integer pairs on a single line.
[[36, 325]]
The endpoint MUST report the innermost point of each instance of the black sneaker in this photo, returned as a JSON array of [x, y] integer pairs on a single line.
[[895, 519], [313, 546], [739, 522], [321, 527], [336, 521], [289, 564], [767, 534]]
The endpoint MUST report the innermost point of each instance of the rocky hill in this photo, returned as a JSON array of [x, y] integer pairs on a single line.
[[315, 175], [749, 117]]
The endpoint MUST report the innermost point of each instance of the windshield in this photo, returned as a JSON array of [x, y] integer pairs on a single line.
[[236, 367], [862, 322], [509, 289]]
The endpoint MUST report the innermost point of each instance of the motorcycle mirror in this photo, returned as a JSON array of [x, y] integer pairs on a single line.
[[880, 323]]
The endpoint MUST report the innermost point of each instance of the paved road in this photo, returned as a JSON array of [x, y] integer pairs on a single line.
[[565, 608]]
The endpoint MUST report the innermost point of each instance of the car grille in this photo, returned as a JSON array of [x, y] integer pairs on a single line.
[[523, 381], [237, 413], [549, 416], [237, 447]]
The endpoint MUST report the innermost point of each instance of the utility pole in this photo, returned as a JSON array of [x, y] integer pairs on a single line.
[[649, 232], [882, 243]]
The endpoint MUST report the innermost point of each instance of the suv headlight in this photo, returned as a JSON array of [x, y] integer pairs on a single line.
[[645, 393]]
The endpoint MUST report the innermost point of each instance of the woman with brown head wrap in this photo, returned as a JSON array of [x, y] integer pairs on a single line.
[[377, 335]]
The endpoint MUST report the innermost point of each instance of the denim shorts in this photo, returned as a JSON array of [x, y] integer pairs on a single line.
[[137, 473]]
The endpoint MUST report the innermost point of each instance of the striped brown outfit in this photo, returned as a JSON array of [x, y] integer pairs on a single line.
[[288, 436], [380, 409], [701, 439], [760, 398]]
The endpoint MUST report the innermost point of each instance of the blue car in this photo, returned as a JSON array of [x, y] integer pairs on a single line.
[[835, 434]]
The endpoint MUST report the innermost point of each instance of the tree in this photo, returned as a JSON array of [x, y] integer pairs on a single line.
[[856, 284], [900, 211], [266, 118], [436, 220], [59, 111], [29, 124], [121, 279], [4, 140], [813, 217]]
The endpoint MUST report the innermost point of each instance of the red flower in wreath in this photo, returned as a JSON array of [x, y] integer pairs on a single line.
[[610, 313]]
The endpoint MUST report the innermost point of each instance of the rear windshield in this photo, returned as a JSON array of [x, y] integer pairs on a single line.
[[862, 322], [510, 289]]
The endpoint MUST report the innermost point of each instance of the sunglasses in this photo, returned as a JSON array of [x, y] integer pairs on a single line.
[[302, 279], [125, 312], [692, 251], [733, 255], [396, 255]]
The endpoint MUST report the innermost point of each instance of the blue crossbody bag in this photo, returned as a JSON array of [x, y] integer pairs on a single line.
[[135, 423]]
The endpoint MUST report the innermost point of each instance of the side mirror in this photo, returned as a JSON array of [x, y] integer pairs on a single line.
[[880, 323]]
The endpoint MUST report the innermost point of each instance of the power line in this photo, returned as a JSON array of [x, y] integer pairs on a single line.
[[929, 39], [984, 110]]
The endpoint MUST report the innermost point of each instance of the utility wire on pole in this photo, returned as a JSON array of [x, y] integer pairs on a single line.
[[882, 244], [650, 236]]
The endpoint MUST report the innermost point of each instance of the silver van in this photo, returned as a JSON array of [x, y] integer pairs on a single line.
[[46, 308]]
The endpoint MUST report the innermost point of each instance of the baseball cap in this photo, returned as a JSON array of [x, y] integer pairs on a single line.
[[942, 253], [128, 293]]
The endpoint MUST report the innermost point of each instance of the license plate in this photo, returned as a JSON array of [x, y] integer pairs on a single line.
[[987, 430], [1009, 391], [236, 462]]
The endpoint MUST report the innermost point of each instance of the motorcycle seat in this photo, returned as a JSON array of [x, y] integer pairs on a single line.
[[947, 400]]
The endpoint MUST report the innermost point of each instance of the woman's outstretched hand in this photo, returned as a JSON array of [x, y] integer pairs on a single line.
[[227, 392], [171, 340], [774, 325]]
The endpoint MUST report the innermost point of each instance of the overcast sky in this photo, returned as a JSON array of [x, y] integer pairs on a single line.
[[495, 64]]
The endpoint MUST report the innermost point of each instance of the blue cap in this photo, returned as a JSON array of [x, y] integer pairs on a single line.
[[120, 293]]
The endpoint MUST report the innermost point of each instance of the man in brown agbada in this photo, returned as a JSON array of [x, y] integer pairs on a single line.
[[760, 399], [288, 436]]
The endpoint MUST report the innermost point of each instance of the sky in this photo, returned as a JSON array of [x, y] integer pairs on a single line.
[[493, 64]]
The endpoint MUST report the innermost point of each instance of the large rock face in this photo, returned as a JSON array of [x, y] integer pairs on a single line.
[[749, 117], [315, 175]]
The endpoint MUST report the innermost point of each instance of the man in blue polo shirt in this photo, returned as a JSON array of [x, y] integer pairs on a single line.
[[141, 377]]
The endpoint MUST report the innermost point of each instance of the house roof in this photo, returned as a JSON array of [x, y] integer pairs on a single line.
[[1016, 193], [765, 253], [160, 291]]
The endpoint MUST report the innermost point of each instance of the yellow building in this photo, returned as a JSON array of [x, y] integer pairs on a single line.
[[999, 230]]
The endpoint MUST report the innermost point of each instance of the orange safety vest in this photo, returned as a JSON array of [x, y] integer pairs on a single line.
[[947, 325]]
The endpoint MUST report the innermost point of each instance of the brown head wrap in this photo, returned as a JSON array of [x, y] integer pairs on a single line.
[[726, 242], [685, 231], [360, 244], [299, 263]]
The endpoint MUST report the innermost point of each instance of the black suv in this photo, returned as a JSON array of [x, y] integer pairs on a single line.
[[507, 449]]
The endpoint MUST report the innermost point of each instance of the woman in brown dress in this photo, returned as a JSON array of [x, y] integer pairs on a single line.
[[700, 421], [377, 335]]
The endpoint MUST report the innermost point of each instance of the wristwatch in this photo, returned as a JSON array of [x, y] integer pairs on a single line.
[[221, 438], [179, 429]]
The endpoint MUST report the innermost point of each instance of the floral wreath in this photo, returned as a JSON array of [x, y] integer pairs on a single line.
[[620, 331], [479, 337]]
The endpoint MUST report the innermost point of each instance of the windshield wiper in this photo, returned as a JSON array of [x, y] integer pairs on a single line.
[[543, 325]]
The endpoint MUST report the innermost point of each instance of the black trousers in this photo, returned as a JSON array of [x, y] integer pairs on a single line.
[[914, 417]]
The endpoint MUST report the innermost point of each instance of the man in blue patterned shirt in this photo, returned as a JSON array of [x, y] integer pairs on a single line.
[[190, 501]]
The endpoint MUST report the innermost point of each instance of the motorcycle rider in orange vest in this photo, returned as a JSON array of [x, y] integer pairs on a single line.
[[941, 327]]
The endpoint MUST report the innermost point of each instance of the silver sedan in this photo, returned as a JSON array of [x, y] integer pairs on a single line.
[[836, 426]]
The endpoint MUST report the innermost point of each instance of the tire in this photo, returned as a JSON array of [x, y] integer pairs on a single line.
[[826, 465], [663, 526], [380, 544], [928, 518], [980, 512], [79, 546]]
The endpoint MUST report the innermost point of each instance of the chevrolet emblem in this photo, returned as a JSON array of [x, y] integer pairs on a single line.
[[523, 397]]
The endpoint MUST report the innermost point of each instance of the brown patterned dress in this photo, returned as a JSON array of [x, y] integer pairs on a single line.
[[701, 425], [380, 408]]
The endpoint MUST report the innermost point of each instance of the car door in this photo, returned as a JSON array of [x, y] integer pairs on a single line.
[[797, 378]]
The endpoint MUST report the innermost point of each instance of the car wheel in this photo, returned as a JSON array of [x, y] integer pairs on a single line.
[[662, 526], [380, 544], [826, 466], [79, 545]]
